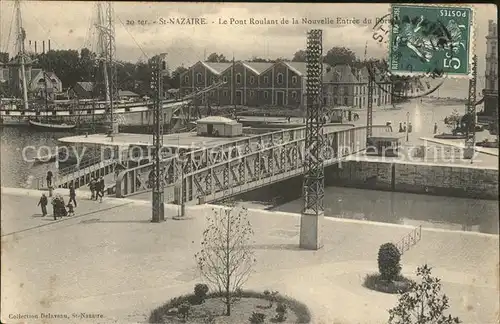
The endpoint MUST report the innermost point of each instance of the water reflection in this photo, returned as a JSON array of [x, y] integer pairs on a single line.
[[15, 171], [410, 209]]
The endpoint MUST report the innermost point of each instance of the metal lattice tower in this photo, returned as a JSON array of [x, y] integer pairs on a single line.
[[470, 114], [107, 52], [314, 178], [158, 67]]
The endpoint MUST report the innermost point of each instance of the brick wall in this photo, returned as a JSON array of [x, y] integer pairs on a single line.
[[416, 178]]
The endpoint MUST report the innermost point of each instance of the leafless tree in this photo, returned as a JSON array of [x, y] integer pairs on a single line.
[[226, 257]]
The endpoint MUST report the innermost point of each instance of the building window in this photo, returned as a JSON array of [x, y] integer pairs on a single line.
[[224, 79], [238, 78], [251, 93], [355, 90], [294, 94], [363, 101], [355, 102], [186, 79], [266, 79], [266, 95], [199, 78], [224, 93], [294, 79], [252, 79], [345, 101], [212, 93], [334, 90], [280, 78], [346, 90], [212, 80], [335, 101]]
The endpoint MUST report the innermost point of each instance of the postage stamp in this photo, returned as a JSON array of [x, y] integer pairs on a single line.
[[426, 38]]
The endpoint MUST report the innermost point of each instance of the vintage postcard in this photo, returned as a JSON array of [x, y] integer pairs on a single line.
[[249, 162]]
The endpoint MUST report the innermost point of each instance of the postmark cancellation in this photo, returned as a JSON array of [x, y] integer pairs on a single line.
[[426, 39]]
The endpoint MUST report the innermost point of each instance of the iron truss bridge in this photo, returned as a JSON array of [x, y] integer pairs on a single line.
[[219, 172]]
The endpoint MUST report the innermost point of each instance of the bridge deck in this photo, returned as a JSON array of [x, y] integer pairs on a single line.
[[128, 139]]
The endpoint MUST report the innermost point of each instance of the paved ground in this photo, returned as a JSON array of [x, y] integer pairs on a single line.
[[116, 263]]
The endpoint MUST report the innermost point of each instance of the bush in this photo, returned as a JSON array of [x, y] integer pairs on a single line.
[[388, 261], [398, 286], [184, 309], [200, 293], [281, 312], [298, 308], [257, 318]]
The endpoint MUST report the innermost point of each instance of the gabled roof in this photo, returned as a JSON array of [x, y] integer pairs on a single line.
[[127, 93], [216, 68], [86, 85], [216, 119], [257, 67], [34, 73], [341, 74]]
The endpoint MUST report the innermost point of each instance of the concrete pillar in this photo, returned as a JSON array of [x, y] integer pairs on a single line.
[[311, 231]]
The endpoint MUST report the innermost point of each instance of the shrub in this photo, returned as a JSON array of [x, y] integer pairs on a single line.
[[388, 261], [200, 293], [184, 309], [375, 282], [281, 312], [257, 318]]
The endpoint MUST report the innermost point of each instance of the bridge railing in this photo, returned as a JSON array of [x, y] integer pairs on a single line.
[[137, 180]]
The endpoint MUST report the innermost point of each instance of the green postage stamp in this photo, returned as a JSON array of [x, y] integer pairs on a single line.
[[427, 39]]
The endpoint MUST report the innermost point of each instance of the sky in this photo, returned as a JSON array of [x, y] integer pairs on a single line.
[[68, 26]]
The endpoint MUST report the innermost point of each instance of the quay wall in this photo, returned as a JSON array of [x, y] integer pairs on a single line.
[[441, 180]]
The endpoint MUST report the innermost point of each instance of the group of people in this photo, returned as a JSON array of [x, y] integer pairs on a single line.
[[97, 187], [58, 205], [402, 127], [61, 209]]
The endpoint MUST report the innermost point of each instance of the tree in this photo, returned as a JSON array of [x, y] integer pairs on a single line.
[[259, 59], [299, 56], [453, 121], [226, 258], [216, 58], [339, 55], [422, 304]]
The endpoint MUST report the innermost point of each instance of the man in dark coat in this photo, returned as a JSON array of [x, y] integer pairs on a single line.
[[49, 178], [72, 194], [43, 204], [101, 187]]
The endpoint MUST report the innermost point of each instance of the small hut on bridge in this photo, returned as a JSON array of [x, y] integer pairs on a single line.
[[218, 126]]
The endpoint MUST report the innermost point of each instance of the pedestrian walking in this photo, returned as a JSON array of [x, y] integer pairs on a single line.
[[71, 210], [435, 128], [43, 204], [101, 188], [72, 194], [92, 187], [49, 178], [401, 128], [404, 127], [409, 127]]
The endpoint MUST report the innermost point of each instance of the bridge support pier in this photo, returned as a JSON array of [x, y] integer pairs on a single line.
[[311, 236]]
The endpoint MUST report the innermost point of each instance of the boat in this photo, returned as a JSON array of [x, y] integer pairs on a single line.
[[450, 136], [51, 127]]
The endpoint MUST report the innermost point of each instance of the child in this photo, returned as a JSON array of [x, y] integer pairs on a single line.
[[71, 211]]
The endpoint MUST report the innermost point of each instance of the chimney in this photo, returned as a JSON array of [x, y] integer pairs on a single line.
[[49, 45], [43, 47], [35, 48]]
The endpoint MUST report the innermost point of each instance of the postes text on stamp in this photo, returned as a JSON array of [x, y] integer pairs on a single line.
[[431, 38]]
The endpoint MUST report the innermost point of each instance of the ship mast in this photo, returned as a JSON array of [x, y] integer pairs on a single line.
[[21, 36], [107, 50]]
